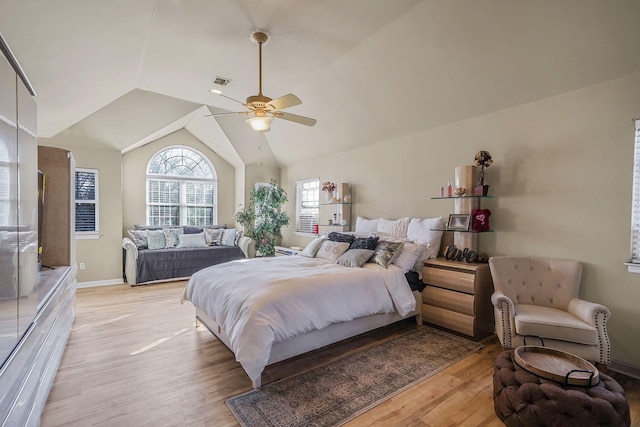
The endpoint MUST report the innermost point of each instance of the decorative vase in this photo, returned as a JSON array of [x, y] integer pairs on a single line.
[[329, 196], [481, 190]]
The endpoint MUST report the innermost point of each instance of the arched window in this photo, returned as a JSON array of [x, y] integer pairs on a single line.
[[181, 188]]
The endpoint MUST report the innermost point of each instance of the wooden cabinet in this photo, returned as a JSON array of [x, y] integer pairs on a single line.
[[458, 297]]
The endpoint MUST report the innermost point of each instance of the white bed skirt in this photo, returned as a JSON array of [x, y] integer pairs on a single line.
[[318, 338]]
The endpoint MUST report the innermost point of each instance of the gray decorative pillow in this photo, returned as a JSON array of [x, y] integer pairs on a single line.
[[228, 237], [213, 236], [192, 241], [355, 257], [239, 234], [331, 251], [139, 238], [385, 252], [172, 237], [312, 248], [155, 239]]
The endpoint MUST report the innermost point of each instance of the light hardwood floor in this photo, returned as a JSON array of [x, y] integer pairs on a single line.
[[135, 358]]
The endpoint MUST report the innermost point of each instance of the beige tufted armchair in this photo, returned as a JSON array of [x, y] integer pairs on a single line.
[[538, 297]]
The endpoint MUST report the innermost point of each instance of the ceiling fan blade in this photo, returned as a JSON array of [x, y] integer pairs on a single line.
[[225, 114], [295, 118], [217, 92], [284, 102]]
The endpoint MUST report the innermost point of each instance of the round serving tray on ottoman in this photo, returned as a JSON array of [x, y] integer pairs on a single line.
[[556, 365]]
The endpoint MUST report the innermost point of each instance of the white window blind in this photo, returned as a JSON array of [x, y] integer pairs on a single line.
[[87, 201], [635, 205], [181, 188], [307, 204]]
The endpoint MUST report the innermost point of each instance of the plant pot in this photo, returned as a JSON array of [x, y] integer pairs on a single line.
[[481, 190]]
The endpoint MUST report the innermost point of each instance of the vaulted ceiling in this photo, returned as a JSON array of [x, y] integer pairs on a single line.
[[122, 73]]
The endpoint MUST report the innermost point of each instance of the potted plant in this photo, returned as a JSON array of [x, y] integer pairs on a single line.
[[262, 219], [481, 161]]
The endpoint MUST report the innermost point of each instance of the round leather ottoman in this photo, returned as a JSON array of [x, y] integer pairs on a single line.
[[523, 399]]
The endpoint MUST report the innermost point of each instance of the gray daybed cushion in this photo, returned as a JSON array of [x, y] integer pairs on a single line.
[[163, 264]]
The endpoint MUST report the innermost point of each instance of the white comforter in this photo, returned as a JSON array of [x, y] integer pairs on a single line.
[[260, 301]]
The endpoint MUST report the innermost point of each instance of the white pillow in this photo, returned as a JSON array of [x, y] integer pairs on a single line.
[[397, 228], [420, 229], [331, 250], [192, 241], [312, 248], [408, 256], [364, 225]]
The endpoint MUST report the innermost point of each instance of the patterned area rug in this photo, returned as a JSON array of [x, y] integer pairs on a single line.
[[335, 393]]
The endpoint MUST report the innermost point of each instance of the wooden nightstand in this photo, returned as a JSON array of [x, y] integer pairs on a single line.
[[458, 297]]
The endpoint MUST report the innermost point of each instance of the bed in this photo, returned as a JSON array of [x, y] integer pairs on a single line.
[[270, 309]]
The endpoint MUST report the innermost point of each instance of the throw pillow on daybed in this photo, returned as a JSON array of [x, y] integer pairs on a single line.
[[313, 247], [139, 238], [355, 257], [192, 241], [331, 250], [213, 236], [230, 237], [172, 236], [155, 239]]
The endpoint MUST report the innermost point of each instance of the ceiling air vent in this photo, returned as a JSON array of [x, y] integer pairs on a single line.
[[222, 81]]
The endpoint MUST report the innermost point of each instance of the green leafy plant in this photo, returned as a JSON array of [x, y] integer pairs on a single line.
[[262, 219]]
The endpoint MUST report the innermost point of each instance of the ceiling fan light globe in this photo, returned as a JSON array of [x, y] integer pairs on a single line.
[[260, 124]]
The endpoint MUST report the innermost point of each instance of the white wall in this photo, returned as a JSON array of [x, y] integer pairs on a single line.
[[561, 176]]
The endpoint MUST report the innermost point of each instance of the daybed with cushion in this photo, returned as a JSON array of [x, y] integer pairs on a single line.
[[158, 254], [341, 285]]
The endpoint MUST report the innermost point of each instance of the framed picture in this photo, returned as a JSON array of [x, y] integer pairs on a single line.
[[459, 222]]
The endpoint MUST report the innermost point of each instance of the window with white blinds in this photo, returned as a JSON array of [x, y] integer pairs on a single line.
[[307, 205], [87, 212], [181, 188], [635, 205]]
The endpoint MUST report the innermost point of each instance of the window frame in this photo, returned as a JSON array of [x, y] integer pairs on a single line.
[[299, 208], [633, 265], [93, 234], [183, 182]]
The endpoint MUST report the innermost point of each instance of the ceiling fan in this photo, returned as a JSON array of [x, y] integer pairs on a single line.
[[262, 109]]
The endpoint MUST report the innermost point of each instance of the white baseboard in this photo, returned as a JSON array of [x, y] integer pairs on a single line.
[[100, 283], [625, 368]]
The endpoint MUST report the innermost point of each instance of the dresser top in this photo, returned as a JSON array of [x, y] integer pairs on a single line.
[[457, 265]]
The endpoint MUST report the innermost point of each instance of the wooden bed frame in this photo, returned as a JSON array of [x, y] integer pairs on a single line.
[[318, 338]]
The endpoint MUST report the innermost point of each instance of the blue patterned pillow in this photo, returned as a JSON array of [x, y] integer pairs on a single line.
[[340, 237], [365, 243], [155, 239], [172, 236]]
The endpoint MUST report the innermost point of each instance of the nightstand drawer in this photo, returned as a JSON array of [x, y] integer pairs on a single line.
[[450, 279], [451, 300], [448, 319]]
